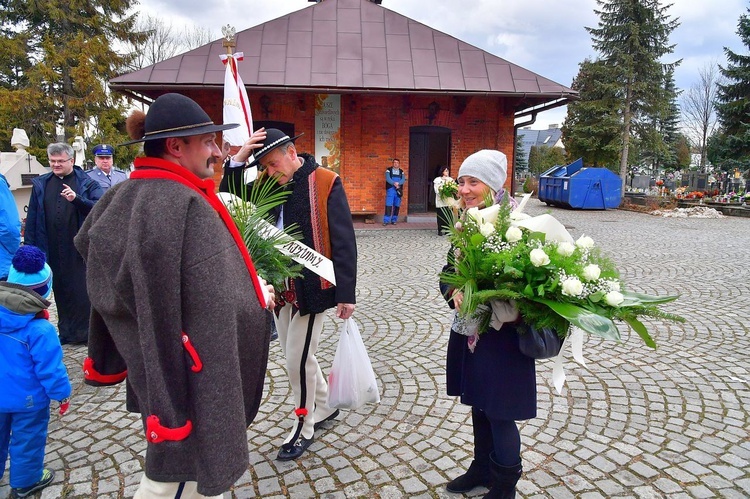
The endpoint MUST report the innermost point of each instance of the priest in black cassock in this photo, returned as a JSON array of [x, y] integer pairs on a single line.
[[60, 201]]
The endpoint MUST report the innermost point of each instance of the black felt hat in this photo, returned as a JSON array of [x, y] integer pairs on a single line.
[[174, 115], [274, 138]]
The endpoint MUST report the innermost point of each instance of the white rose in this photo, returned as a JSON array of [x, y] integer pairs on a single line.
[[474, 213], [538, 257], [572, 286], [489, 214], [613, 298], [487, 229], [565, 249], [591, 272], [513, 234], [585, 242]]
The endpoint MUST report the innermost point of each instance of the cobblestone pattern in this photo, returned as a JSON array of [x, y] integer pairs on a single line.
[[635, 423]]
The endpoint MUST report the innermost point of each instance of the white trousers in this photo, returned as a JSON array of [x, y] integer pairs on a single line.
[[299, 336], [149, 489]]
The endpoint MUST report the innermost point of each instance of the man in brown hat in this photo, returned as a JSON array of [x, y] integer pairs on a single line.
[[177, 307], [317, 205]]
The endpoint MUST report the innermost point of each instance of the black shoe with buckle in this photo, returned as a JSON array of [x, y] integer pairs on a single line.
[[319, 424], [294, 451]]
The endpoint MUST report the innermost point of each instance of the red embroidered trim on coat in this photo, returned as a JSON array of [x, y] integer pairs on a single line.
[[156, 433], [93, 375], [197, 364]]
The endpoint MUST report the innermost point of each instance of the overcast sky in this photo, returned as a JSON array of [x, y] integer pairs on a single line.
[[547, 37]]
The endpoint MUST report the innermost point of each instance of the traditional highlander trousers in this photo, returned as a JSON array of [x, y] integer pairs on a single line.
[[318, 206], [173, 311], [392, 194]]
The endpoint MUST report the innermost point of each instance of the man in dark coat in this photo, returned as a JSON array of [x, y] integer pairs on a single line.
[[60, 201], [317, 205], [177, 306]]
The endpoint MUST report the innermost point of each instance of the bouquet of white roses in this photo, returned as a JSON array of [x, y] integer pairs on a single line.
[[556, 282], [448, 189]]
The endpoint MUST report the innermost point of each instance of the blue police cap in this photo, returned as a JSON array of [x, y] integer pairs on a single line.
[[104, 150]]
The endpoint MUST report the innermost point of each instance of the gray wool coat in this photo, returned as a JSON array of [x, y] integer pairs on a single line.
[[161, 262]]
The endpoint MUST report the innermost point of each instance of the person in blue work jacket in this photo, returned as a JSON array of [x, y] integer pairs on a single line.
[[395, 178], [104, 172], [32, 370]]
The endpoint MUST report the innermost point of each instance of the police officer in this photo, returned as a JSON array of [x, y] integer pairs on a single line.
[[104, 173]]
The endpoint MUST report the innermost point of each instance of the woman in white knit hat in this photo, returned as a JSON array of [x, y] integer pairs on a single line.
[[493, 376]]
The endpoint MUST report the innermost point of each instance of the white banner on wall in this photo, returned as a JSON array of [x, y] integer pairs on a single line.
[[328, 130]]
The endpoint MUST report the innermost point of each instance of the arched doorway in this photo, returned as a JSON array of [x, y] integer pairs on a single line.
[[429, 149]]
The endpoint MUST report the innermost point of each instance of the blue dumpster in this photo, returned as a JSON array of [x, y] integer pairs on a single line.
[[573, 186]]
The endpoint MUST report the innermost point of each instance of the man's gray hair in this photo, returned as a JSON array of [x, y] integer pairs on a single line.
[[57, 148]]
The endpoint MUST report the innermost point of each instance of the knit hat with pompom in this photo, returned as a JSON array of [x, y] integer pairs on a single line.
[[29, 268]]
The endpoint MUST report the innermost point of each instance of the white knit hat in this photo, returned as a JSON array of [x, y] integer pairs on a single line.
[[491, 167]]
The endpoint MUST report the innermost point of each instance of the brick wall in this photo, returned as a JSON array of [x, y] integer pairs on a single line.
[[375, 129]]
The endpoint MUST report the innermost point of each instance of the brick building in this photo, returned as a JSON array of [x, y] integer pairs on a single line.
[[365, 85]]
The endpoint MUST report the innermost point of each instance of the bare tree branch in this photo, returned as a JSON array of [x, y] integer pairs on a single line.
[[699, 108]]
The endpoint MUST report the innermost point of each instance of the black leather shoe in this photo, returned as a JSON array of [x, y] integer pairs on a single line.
[[295, 451], [333, 416]]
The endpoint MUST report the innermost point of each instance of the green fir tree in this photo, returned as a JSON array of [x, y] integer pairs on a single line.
[[632, 37], [60, 55], [592, 128], [730, 148]]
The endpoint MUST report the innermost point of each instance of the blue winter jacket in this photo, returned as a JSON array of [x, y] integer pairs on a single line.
[[10, 227], [31, 358]]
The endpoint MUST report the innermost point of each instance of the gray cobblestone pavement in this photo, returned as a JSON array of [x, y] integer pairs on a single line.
[[635, 423]]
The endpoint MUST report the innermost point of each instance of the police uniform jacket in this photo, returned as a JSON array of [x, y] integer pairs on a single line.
[[116, 176]]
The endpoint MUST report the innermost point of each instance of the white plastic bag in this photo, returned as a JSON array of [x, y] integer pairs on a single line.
[[351, 380]]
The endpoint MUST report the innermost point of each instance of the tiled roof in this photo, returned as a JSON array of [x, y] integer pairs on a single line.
[[349, 46], [530, 138]]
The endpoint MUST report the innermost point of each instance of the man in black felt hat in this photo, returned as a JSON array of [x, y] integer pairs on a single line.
[[177, 307], [317, 204]]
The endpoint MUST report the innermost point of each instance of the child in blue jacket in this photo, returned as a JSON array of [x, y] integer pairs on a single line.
[[31, 370]]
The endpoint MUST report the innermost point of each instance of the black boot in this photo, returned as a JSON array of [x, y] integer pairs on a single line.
[[478, 474], [504, 480]]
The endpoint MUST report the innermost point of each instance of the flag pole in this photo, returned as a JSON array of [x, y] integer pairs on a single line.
[[236, 103]]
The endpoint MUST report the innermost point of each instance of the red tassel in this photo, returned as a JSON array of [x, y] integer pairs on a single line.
[[92, 374], [156, 433], [197, 364], [301, 412]]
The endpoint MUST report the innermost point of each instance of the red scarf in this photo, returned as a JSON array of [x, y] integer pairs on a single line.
[[157, 168]]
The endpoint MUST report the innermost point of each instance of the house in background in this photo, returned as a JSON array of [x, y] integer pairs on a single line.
[[551, 137], [365, 85]]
